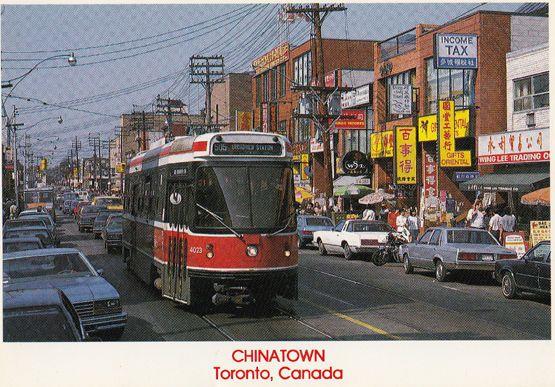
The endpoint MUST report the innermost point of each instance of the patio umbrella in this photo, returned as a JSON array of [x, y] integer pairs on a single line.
[[351, 190], [539, 197], [376, 197]]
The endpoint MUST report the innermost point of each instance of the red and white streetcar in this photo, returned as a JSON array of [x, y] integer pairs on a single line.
[[213, 217]]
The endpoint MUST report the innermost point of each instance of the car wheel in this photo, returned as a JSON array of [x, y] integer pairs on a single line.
[[508, 285], [441, 272], [321, 248], [300, 244], [347, 252], [407, 265]]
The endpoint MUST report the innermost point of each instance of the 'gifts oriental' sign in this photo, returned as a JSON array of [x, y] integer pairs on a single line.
[[523, 146], [448, 155], [405, 155]]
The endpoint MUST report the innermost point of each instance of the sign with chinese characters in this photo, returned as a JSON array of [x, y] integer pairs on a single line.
[[243, 120], [351, 119], [264, 117], [448, 155], [400, 99], [456, 51], [405, 155], [359, 96], [466, 176], [316, 146], [430, 175], [355, 163], [515, 241], [523, 146], [427, 126], [540, 230], [381, 144], [271, 59], [330, 79], [304, 166]]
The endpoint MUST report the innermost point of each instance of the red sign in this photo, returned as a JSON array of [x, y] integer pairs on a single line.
[[430, 175], [351, 119], [522, 146], [329, 79], [525, 157], [265, 117]]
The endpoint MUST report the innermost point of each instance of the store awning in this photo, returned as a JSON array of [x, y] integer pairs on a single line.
[[507, 182], [347, 180]]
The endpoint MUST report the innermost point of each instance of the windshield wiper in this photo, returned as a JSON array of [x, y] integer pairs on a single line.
[[289, 217], [219, 219]]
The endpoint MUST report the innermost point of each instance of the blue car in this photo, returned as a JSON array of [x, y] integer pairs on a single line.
[[307, 224], [96, 301]]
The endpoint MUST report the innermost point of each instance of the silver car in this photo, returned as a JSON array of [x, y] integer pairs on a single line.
[[447, 250]]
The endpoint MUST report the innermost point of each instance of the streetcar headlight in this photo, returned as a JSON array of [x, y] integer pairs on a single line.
[[287, 253], [252, 251], [209, 251]]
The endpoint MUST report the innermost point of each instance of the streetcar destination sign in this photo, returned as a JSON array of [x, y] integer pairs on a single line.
[[245, 149]]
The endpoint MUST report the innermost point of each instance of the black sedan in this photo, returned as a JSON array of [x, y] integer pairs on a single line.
[[96, 301], [531, 273], [112, 233]]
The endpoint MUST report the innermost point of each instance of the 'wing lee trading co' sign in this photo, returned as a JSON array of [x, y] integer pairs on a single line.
[[456, 51], [523, 146]]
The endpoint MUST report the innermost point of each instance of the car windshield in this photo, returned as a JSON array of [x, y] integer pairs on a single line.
[[41, 234], [35, 325], [470, 237], [45, 218], [45, 265], [91, 210], [108, 202], [115, 224], [24, 223], [318, 222], [371, 227], [102, 217], [12, 247], [245, 198]]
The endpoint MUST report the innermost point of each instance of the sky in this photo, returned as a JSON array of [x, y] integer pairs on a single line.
[[128, 54]]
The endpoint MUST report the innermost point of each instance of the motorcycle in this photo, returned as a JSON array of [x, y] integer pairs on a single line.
[[389, 252]]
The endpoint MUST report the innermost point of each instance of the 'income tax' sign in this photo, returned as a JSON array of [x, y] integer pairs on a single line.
[[456, 51]]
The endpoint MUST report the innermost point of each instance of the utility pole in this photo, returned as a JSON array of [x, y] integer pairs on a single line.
[[94, 141], [77, 146], [207, 70], [317, 13], [13, 125]]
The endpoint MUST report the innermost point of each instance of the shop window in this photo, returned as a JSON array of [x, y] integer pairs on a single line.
[[356, 140], [282, 128], [265, 87], [274, 83], [397, 45], [303, 68], [442, 84], [302, 130], [531, 93], [406, 78], [282, 79], [258, 90]]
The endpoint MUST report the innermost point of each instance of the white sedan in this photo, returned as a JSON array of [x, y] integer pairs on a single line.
[[353, 237]]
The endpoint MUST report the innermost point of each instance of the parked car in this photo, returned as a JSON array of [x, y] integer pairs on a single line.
[[112, 233], [40, 315], [96, 301], [100, 222], [50, 224], [111, 202], [447, 250], [531, 273], [21, 223], [352, 237], [307, 224], [12, 245], [40, 232], [88, 214]]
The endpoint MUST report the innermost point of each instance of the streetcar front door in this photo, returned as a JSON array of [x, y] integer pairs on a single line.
[[176, 284]]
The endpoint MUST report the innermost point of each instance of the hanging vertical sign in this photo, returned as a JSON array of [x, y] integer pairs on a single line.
[[448, 155], [430, 175], [405, 155], [265, 117]]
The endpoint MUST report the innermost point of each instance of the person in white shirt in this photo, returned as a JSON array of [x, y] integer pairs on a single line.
[[413, 224], [368, 214], [495, 225], [508, 221], [475, 216]]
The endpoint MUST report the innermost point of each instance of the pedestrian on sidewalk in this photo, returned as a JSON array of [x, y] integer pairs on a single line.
[[368, 214], [413, 223], [392, 217], [495, 225], [475, 217], [508, 222]]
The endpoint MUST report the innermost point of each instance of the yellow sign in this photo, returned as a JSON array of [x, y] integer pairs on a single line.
[[75, 172], [243, 120], [405, 154], [271, 59], [427, 126], [381, 144], [540, 230], [304, 165], [43, 165], [120, 167], [448, 155]]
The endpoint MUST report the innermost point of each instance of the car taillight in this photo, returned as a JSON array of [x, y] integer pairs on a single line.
[[506, 256], [305, 232], [468, 256]]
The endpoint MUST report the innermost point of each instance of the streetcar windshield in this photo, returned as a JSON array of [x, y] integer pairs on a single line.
[[253, 197], [38, 196]]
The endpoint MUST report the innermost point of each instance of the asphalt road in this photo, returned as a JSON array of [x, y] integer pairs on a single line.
[[339, 300]]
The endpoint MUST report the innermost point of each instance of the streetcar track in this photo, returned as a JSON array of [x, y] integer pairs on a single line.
[[216, 327], [401, 296], [304, 323]]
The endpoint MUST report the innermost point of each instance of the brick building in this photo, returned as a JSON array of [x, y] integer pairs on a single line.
[[232, 98], [480, 97], [274, 102]]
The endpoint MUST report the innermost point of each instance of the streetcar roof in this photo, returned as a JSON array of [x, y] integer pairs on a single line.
[[190, 148]]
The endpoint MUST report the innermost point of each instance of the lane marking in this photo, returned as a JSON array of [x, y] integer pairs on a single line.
[[449, 287], [353, 320]]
